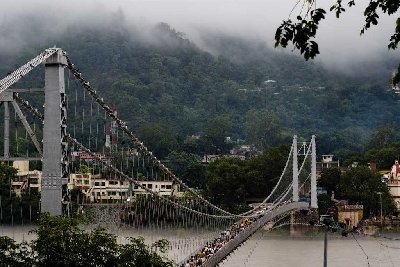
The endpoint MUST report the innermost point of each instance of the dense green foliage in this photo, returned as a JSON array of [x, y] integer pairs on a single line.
[[358, 185], [188, 167], [229, 182], [383, 149], [166, 88], [60, 242]]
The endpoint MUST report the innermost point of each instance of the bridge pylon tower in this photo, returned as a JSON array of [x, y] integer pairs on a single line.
[[314, 201], [306, 149], [295, 171], [54, 197], [54, 154]]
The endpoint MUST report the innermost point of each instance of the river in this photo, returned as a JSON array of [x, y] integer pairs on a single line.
[[263, 250], [268, 249]]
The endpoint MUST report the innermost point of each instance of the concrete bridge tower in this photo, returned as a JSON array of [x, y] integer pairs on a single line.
[[54, 178]]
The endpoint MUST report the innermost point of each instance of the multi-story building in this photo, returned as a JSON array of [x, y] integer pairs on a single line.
[[95, 187], [25, 179], [394, 183], [100, 189]]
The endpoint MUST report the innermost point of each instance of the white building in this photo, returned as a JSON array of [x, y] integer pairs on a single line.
[[25, 179], [394, 183], [163, 188], [94, 187], [99, 189]]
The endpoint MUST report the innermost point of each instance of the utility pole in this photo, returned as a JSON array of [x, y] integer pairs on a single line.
[[380, 200], [328, 225], [326, 247]]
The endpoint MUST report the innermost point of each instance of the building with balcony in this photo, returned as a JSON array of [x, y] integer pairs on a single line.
[[25, 179], [99, 189]]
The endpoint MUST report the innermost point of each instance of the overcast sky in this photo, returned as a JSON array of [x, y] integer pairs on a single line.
[[339, 39]]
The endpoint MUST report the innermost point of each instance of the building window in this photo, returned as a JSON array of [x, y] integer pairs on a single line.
[[168, 186], [150, 186]]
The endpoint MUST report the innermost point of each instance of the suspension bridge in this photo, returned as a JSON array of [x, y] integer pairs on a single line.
[[144, 193]]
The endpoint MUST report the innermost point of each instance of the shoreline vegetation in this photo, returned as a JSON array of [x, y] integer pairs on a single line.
[[60, 242]]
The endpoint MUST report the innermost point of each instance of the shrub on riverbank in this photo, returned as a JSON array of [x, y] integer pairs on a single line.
[[60, 242]]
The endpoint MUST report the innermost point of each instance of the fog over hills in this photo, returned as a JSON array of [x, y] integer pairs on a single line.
[[211, 60], [23, 22]]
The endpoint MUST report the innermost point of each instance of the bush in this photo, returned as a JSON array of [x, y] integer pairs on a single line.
[[60, 242]]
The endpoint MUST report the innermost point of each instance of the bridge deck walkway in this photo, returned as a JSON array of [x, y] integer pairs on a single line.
[[249, 231]]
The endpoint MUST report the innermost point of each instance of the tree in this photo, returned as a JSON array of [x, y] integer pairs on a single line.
[[159, 138], [7, 172], [218, 128], [264, 171], [302, 32], [360, 186], [263, 128], [325, 203], [187, 166], [229, 182], [83, 168], [384, 135], [330, 179], [61, 242], [225, 185]]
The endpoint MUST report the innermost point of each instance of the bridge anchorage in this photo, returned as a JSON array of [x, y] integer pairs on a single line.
[[95, 152]]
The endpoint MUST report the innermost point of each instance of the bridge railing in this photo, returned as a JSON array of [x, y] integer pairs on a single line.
[[243, 235]]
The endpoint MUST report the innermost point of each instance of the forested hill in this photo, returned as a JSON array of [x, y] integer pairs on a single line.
[[161, 80]]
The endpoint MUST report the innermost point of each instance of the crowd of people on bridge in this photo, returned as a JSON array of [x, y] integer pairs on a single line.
[[218, 243]]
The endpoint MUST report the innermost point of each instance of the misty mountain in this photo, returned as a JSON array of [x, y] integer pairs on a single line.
[[160, 76]]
